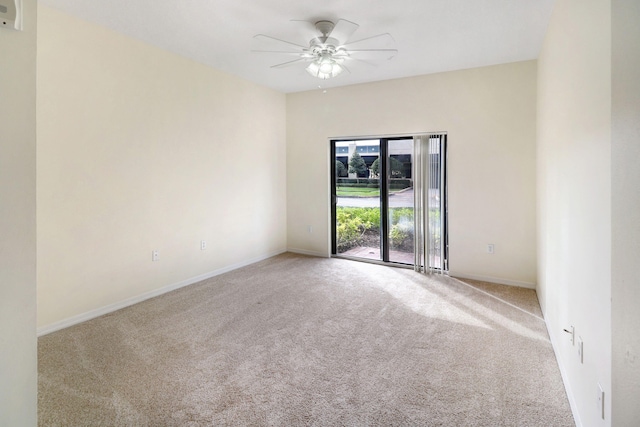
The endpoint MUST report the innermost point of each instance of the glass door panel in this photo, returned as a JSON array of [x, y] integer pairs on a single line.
[[378, 202], [357, 199], [430, 189], [400, 230], [435, 203]]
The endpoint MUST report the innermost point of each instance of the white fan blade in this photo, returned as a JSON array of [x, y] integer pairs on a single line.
[[343, 30], [272, 43], [306, 29], [289, 63], [344, 67], [373, 53], [380, 41], [361, 61], [283, 52]]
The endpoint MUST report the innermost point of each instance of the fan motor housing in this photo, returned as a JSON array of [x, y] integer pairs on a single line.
[[327, 43], [325, 27]]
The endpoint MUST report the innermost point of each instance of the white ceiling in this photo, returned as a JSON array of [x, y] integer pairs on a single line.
[[431, 35]]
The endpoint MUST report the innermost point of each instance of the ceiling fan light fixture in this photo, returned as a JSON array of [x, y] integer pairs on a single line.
[[325, 67], [329, 48]]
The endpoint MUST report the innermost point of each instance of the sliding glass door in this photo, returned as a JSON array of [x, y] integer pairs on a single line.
[[357, 203], [374, 211], [431, 222], [400, 201]]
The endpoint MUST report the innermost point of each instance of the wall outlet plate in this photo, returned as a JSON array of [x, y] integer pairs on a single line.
[[601, 401]]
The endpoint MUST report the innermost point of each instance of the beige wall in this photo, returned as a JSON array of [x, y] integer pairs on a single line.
[[489, 114], [18, 366], [141, 150], [574, 197], [625, 211]]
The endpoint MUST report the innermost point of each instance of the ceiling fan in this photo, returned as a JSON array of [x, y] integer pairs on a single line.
[[329, 47]]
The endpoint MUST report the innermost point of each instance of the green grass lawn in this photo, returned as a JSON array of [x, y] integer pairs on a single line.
[[359, 191]]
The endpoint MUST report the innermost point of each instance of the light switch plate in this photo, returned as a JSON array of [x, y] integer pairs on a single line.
[[11, 14]]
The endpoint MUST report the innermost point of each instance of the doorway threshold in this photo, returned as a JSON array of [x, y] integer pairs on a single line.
[[372, 261]]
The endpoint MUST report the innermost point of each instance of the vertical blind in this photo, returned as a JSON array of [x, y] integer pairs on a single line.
[[429, 169]]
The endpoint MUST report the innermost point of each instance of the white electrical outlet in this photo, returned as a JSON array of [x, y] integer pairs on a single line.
[[490, 248], [601, 401], [309, 229], [580, 350], [203, 245], [155, 255]]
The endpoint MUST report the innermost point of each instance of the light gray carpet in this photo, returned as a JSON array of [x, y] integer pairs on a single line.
[[298, 340]]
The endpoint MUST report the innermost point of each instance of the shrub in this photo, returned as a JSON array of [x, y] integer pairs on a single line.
[[345, 181], [404, 215], [400, 235], [353, 223], [356, 182], [396, 167], [357, 165], [349, 233], [399, 183]]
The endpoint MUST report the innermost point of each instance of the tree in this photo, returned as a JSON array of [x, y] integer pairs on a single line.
[[357, 165], [396, 167], [341, 169], [375, 167]]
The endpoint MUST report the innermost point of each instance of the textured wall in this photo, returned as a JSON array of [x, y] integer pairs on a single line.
[[574, 197], [141, 150], [625, 211], [489, 114]]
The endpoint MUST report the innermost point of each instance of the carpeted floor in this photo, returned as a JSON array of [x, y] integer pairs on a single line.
[[297, 340]]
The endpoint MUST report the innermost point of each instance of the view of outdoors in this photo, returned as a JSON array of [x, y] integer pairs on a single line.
[[358, 211], [359, 216]]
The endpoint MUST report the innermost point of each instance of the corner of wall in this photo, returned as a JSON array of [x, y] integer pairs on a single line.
[[18, 358]]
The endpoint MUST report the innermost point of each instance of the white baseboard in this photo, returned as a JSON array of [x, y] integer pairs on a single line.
[[74, 320], [497, 280], [306, 252], [565, 378]]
